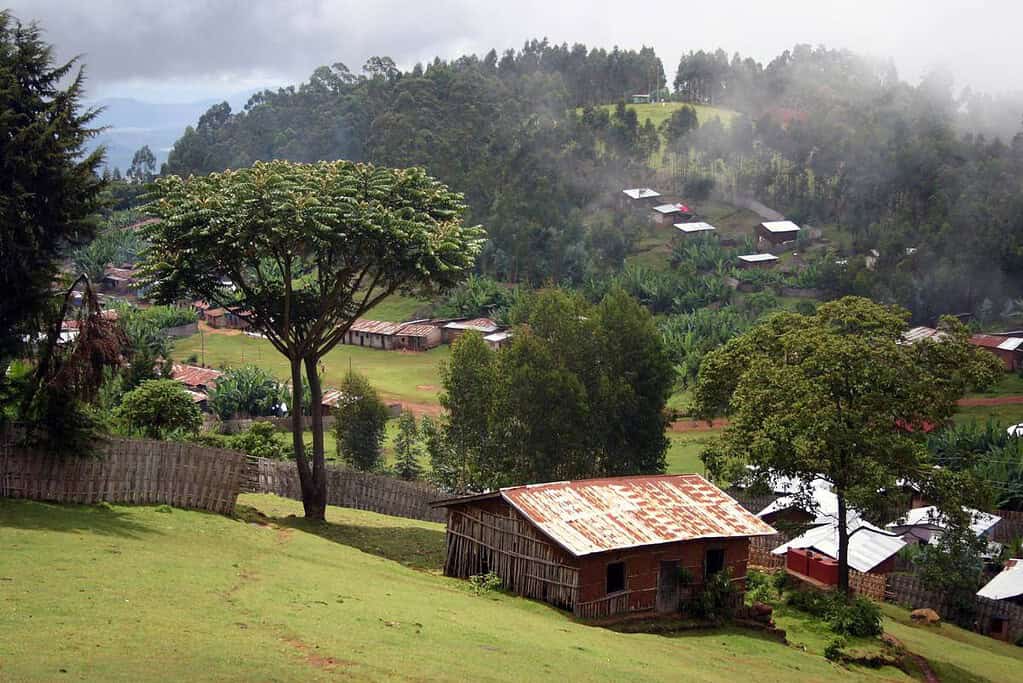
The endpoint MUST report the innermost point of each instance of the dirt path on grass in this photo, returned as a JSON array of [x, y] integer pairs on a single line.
[[925, 667], [698, 425], [990, 401]]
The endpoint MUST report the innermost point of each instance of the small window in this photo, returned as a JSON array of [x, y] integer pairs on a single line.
[[715, 561], [615, 577]]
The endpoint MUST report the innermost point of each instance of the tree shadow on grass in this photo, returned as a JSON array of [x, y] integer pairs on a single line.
[[102, 518], [412, 546]]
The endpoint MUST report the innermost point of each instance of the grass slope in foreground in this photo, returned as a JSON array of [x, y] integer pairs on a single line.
[[145, 593]]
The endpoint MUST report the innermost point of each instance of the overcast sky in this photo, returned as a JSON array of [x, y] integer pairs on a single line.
[[179, 50]]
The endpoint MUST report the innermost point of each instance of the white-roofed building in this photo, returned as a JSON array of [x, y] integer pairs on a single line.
[[820, 507], [695, 228], [778, 232], [1007, 584], [669, 214], [925, 524], [871, 549], [498, 340], [639, 196], [757, 260]]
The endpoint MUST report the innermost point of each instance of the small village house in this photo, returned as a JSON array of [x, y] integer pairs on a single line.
[[222, 318], [777, 232], [791, 512], [1008, 349], [603, 547], [379, 334], [498, 340], [748, 261], [417, 336], [1007, 589], [696, 228], [924, 525], [456, 328], [640, 98], [670, 214], [119, 282], [638, 196], [194, 377], [813, 555]]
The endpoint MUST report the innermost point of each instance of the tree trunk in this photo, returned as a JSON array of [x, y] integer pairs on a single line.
[[315, 500], [843, 545], [305, 476]]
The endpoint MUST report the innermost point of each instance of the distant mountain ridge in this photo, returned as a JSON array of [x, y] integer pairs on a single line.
[[131, 123]]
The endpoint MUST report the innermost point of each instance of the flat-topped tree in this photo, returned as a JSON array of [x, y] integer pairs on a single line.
[[302, 250]]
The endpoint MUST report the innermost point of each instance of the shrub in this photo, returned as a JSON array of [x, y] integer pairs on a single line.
[[247, 391], [833, 651], [260, 440], [760, 587], [717, 599], [361, 423], [157, 407], [482, 584], [858, 617]]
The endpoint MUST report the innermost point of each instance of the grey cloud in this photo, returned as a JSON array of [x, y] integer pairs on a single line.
[[228, 45]]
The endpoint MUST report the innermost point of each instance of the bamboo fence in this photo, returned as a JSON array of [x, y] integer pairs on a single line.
[[348, 488], [127, 471], [528, 564]]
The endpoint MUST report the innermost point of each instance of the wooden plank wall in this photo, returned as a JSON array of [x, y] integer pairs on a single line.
[[909, 591], [128, 471], [349, 488], [528, 564]]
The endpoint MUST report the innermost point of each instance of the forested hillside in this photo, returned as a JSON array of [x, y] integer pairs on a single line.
[[831, 139]]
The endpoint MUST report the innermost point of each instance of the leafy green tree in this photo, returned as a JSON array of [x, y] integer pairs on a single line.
[[470, 382], [361, 423], [306, 249], [246, 391], [157, 407], [259, 440], [836, 395], [407, 448], [143, 165], [50, 187]]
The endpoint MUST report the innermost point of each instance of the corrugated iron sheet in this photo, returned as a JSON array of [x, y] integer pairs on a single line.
[[869, 546], [1007, 584], [416, 330], [374, 326], [916, 334], [780, 226], [598, 515], [195, 376], [478, 324]]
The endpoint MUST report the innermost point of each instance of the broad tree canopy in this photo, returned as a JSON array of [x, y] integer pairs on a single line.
[[837, 395]]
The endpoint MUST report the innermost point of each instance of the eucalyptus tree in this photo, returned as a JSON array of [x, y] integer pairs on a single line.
[[300, 251]]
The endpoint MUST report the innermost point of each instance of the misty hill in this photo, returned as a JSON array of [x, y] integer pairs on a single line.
[[132, 123], [830, 139]]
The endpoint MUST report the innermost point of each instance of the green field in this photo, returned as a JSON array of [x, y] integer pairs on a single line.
[[152, 593], [399, 376], [683, 454], [659, 112], [398, 308]]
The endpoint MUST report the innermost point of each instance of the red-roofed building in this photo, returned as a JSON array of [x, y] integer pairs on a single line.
[[194, 377], [603, 547], [1008, 349]]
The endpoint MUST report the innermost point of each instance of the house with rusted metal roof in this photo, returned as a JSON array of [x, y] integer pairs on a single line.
[[603, 547], [194, 377], [379, 334], [456, 328], [1008, 349]]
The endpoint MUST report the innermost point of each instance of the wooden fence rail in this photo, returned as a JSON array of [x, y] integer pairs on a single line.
[[127, 471]]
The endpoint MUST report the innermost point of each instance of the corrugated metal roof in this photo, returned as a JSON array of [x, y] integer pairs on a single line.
[[780, 226], [931, 517], [374, 326], [915, 334], [758, 258], [478, 324], [695, 227], [196, 396], [1007, 584], [597, 515], [1011, 344], [416, 330], [869, 546], [195, 376], [641, 193], [498, 337], [671, 208], [823, 504]]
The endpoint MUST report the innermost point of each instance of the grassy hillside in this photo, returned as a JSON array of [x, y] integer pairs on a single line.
[[660, 112], [139, 593]]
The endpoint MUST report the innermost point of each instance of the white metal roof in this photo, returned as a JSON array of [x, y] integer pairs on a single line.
[[780, 226], [1007, 584], [498, 336], [823, 504], [758, 258], [642, 193], [671, 208], [869, 546], [931, 517], [695, 227], [915, 334], [1010, 344]]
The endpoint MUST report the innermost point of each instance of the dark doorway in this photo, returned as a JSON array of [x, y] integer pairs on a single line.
[[668, 586], [715, 561]]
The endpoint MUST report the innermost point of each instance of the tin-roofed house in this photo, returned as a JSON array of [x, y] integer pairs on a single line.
[[456, 328], [670, 214], [603, 547], [696, 228], [778, 232], [376, 334], [1008, 349], [638, 196], [417, 336]]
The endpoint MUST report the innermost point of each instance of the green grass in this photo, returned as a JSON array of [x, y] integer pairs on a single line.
[[398, 308], [132, 593], [659, 112], [953, 653], [407, 377], [683, 456], [1004, 415], [1010, 384]]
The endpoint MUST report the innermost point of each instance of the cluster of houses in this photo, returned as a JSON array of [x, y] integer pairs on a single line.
[[771, 235], [1008, 348], [422, 335]]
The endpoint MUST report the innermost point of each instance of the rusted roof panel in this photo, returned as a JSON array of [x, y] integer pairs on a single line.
[[597, 515], [374, 326], [416, 330], [195, 376], [478, 324]]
